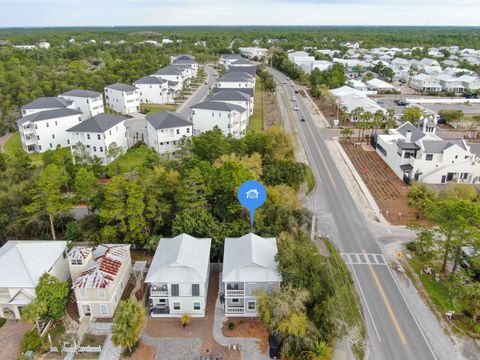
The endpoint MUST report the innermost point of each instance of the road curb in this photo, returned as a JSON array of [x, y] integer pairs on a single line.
[[361, 184]]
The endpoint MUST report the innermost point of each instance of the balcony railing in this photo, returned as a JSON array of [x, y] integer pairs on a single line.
[[239, 292], [234, 309], [158, 292]]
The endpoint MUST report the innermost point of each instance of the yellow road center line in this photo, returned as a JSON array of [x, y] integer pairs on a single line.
[[387, 303]]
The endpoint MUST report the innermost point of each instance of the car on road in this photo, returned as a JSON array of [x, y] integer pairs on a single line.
[[401, 102], [206, 82], [285, 82], [296, 108], [470, 96], [302, 119], [296, 91], [294, 98]]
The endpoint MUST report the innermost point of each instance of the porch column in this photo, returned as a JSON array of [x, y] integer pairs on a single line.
[[16, 312], [2, 315]]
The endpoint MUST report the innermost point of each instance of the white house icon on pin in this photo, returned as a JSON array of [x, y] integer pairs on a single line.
[[252, 194]]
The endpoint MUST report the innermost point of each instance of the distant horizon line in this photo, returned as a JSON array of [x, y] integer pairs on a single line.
[[230, 26]]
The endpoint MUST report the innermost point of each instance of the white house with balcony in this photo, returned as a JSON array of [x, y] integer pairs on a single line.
[[234, 97], [425, 83], [90, 103], [47, 130], [122, 98], [99, 277], [226, 59], [178, 277], [421, 155], [248, 266], [231, 119], [185, 61], [166, 130], [98, 133], [46, 103], [154, 90], [22, 263], [251, 52], [175, 74], [236, 80]]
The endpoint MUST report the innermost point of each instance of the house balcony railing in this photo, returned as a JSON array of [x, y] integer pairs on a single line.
[[159, 310], [239, 292], [234, 309], [158, 292]]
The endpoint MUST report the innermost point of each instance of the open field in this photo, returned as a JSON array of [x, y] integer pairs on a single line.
[[256, 120]]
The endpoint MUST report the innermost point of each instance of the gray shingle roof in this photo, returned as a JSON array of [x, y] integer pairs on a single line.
[[47, 115], [241, 62], [47, 103], [416, 134], [438, 146], [229, 95], [475, 148], [184, 58], [121, 87], [219, 106], [248, 91], [167, 119], [236, 76], [149, 80], [251, 70], [407, 145], [231, 56], [170, 70], [82, 93], [98, 124]]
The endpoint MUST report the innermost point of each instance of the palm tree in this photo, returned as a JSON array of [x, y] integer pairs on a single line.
[[128, 323], [367, 116], [320, 351], [357, 115], [378, 119], [390, 120]]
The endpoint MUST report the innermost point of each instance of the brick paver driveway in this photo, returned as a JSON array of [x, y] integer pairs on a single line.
[[10, 336]]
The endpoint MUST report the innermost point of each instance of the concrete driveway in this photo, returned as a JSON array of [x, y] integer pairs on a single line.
[[10, 336]]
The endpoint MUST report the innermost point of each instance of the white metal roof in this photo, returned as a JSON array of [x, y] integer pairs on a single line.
[[250, 258], [182, 259], [22, 263]]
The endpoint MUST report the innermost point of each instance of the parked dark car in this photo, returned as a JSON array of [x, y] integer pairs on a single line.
[[401, 102], [470, 96], [273, 347], [302, 119], [296, 91]]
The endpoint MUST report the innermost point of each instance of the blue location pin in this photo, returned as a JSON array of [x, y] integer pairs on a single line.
[[252, 195]]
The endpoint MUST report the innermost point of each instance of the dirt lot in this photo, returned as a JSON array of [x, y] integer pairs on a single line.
[[249, 328], [144, 352], [271, 111], [387, 189]]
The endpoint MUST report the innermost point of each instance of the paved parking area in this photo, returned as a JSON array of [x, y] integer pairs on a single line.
[[10, 336]]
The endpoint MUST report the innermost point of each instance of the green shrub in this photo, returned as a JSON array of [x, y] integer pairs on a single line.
[[476, 329], [231, 325], [2, 322], [31, 341], [412, 246]]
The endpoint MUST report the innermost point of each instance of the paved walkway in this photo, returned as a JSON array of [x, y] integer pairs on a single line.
[[10, 336], [174, 348], [110, 351]]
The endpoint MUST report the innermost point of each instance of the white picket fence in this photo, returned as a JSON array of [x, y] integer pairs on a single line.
[[77, 349]]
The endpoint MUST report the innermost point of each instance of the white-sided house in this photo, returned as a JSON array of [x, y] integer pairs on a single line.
[[176, 74], [122, 98], [251, 52], [379, 85], [236, 80], [178, 277], [248, 266], [166, 130], [423, 156], [357, 85], [234, 97], [22, 263], [231, 119], [226, 59], [46, 103], [47, 130], [240, 63], [425, 83], [98, 133], [186, 61], [153, 89], [90, 103], [450, 84], [470, 82], [351, 99], [99, 277]]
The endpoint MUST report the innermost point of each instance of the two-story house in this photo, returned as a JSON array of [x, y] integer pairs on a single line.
[[248, 266], [98, 133], [178, 277], [90, 103], [166, 130], [425, 83], [46, 103], [231, 119], [153, 89], [22, 263], [175, 74], [99, 277], [226, 59], [236, 80], [122, 98], [234, 97], [421, 155]]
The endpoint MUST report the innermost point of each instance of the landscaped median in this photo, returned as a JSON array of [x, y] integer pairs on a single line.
[[256, 120]]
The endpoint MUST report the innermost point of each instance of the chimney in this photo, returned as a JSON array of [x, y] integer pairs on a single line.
[[408, 136]]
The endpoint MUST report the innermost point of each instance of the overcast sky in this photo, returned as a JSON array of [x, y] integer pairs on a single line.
[[238, 12]]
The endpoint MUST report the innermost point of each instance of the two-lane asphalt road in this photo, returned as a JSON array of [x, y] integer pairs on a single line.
[[393, 330]]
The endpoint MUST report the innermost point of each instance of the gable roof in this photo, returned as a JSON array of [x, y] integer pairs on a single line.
[[250, 258], [182, 259], [407, 126], [149, 80], [97, 124], [22, 263], [170, 70], [184, 57], [167, 119], [47, 115], [236, 76], [104, 266], [241, 61], [248, 91], [82, 93], [121, 87], [229, 95], [251, 70], [219, 106], [50, 102]]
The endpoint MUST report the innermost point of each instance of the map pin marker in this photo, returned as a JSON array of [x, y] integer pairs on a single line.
[[252, 195]]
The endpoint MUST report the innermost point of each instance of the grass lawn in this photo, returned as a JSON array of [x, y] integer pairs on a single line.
[[14, 144], [133, 159], [256, 121], [154, 108]]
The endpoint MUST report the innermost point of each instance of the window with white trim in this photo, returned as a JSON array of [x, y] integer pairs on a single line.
[[104, 309], [252, 305], [101, 293], [82, 293], [176, 305], [196, 305]]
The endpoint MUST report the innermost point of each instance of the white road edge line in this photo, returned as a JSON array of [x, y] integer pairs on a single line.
[[411, 312], [365, 302]]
